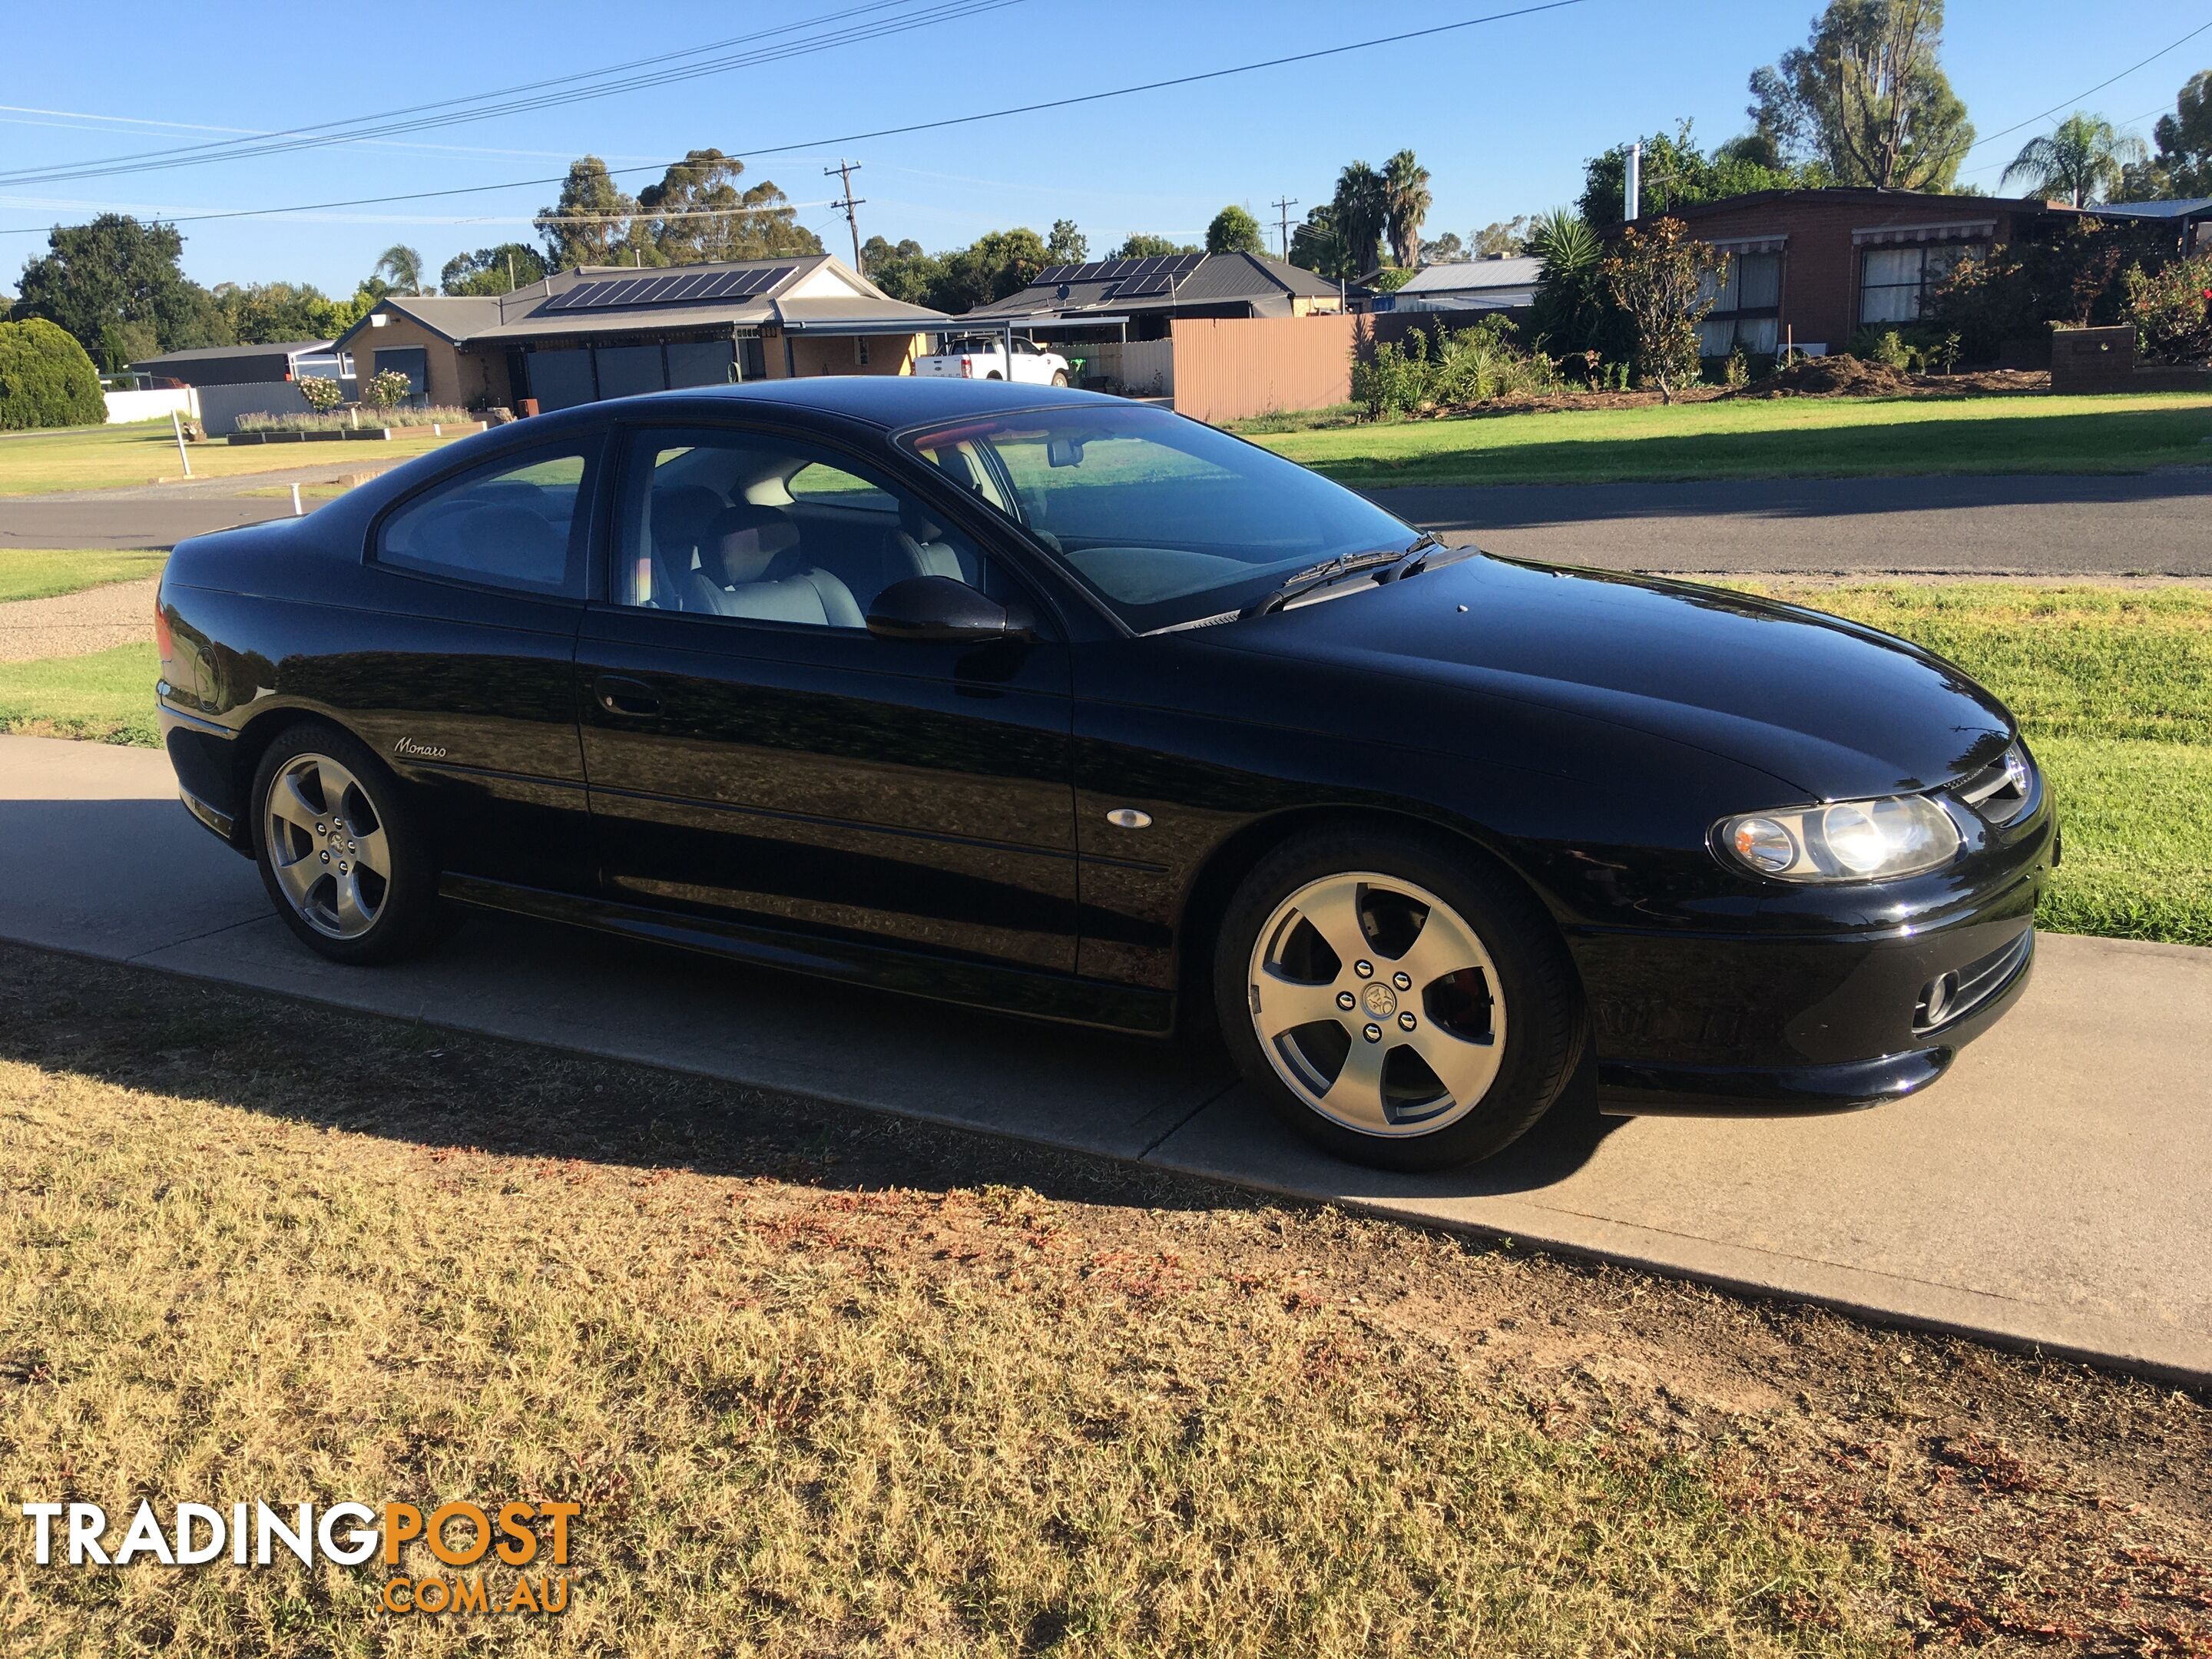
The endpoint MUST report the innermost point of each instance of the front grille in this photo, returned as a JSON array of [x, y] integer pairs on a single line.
[[2002, 791], [1950, 997]]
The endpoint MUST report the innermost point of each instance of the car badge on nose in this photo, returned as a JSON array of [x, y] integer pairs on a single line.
[[1380, 999]]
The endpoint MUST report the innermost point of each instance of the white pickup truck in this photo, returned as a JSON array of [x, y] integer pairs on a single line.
[[983, 357]]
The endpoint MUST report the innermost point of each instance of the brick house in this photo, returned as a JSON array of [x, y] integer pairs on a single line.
[[1811, 267]]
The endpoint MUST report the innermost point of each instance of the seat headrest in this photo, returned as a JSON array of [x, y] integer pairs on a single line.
[[918, 522], [512, 541], [682, 515], [743, 539]]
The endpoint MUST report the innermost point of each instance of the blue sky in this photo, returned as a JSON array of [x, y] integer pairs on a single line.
[[1503, 115]]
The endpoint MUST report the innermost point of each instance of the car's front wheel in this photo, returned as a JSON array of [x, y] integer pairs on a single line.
[[341, 857], [1060, 377], [1399, 1002]]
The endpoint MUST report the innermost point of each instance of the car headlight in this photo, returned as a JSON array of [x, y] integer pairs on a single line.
[[1850, 840]]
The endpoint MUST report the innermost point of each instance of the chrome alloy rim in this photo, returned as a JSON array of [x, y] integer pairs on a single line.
[[1377, 1005], [327, 846]]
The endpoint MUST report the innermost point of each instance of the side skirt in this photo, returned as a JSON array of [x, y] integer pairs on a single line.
[[978, 985]]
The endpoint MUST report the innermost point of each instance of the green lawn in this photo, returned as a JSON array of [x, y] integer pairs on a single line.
[[2113, 686], [107, 695], [1762, 438], [41, 573], [113, 457]]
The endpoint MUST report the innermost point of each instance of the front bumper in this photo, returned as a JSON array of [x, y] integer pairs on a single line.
[[1809, 1018]]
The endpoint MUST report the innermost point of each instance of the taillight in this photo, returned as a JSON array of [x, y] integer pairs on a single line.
[[967, 369], [163, 640]]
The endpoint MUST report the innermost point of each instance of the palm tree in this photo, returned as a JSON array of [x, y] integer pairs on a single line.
[[401, 266], [1361, 207], [2084, 158], [1406, 204]]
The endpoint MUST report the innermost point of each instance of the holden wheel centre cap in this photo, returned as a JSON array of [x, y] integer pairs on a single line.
[[1379, 1000]]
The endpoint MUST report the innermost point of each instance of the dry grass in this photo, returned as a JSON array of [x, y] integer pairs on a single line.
[[831, 1384]]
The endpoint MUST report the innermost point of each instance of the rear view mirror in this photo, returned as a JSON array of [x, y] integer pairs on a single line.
[[1063, 452], [940, 608]]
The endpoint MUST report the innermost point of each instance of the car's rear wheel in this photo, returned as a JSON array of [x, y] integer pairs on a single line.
[[995, 375], [1399, 1002], [342, 856], [1060, 377]]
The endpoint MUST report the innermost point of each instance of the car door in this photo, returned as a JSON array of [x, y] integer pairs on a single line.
[[755, 754], [467, 685]]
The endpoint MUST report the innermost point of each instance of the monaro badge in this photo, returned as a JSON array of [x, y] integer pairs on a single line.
[[414, 751]]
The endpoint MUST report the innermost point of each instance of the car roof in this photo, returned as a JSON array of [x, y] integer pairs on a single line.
[[885, 400]]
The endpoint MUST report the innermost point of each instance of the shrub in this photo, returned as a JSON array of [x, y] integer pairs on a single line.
[[2172, 310], [383, 390], [1885, 346], [45, 379], [1735, 372], [1442, 366], [340, 420], [1664, 282], [322, 395]]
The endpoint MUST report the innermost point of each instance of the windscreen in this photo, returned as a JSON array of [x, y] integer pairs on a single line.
[[1165, 520]]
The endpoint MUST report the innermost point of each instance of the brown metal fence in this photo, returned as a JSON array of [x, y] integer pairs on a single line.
[[1232, 368]]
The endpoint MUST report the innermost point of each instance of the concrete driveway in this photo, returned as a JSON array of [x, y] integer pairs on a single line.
[[2054, 1191]]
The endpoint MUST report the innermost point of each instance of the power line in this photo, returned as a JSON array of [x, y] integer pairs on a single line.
[[2076, 99], [893, 132], [353, 129]]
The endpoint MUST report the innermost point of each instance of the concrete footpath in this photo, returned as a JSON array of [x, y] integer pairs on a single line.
[[2054, 1191]]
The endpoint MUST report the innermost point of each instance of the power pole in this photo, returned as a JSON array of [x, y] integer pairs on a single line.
[[1283, 207], [845, 170]]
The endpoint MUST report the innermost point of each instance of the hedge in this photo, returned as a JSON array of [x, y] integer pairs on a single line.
[[45, 379]]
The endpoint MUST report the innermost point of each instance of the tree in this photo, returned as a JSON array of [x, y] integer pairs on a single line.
[[1447, 249], [1664, 282], [1360, 209], [499, 269], [2183, 166], [1677, 172], [1318, 245], [1067, 245], [592, 223], [1865, 98], [402, 266], [1235, 231], [2082, 159], [697, 213], [117, 285], [903, 270], [266, 314], [46, 377], [1406, 204], [993, 265], [1145, 246], [1502, 239]]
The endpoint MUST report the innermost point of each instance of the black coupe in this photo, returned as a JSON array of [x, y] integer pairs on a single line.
[[1034, 698]]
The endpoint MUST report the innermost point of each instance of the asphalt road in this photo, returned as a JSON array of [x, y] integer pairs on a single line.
[[2054, 1190], [2156, 524]]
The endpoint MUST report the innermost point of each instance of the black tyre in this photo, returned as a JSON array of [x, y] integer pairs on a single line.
[[1397, 999], [1060, 377], [344, 860]]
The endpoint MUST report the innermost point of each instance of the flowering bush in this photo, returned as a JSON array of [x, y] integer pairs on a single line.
[[383, 390], [322, 395], [2172, 310]]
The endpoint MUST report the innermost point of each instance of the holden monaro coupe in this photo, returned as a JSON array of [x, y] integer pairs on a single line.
[[1037, 699]]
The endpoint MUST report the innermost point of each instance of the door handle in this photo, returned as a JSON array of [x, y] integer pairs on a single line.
[[618, 695]]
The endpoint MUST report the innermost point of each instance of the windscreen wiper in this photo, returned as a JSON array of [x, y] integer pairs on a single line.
[[1321, 575]]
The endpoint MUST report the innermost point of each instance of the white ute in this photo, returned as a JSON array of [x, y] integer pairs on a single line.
[[983, 357]]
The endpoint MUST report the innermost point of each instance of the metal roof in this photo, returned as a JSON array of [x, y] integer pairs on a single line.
[[1208, 279], [2188, 208], [1474, 275], [210, 354]]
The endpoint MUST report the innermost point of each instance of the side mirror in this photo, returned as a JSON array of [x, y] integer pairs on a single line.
[[940, 608]]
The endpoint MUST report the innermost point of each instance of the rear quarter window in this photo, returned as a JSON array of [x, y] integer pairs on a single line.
[[516, 523]]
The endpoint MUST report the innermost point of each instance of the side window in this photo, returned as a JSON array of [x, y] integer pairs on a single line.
[[516, 523], [762, 529]]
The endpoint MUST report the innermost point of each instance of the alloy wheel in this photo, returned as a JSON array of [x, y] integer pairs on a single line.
[[1377, 1004], [326, 846]]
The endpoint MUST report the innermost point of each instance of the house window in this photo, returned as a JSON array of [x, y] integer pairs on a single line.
[[1747, 307], [860, 349], [1894, 282]]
